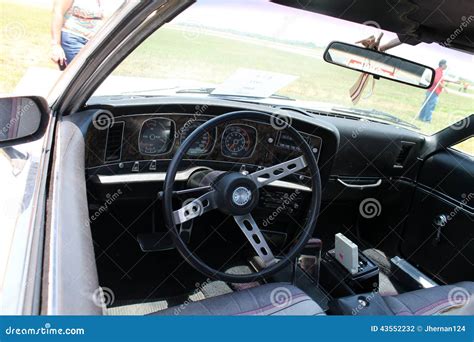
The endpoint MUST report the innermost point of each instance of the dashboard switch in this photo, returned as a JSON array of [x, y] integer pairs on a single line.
[[153, 165], [136, 167]]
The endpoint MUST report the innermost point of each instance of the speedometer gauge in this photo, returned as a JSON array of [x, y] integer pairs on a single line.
[[156, 136], [205, 141], [238, 141]]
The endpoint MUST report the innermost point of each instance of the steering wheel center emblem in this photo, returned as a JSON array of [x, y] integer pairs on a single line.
[[241, 196]]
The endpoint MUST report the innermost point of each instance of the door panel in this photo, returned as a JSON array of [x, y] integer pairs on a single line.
[[439, 235]]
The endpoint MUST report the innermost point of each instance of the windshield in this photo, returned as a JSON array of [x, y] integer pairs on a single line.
[[263, 51]]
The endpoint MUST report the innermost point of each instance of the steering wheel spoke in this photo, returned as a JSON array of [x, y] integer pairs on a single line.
[[279, 171], [195, 208], [248, 225], [237, 194]]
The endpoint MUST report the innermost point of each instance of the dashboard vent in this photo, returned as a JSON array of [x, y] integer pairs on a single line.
[[113, 146], [403, 154]]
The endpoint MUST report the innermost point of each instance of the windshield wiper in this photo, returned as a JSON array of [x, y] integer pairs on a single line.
[[375, 114], [210, 90]]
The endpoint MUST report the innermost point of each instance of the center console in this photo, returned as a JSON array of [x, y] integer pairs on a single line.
[[339, 282]]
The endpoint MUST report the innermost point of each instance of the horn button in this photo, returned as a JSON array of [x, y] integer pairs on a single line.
[[236, 194]]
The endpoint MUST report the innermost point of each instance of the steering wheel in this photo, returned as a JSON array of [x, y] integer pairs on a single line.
[[236, 194]]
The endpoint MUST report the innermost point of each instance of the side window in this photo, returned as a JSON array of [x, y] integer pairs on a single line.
[[467, 146]]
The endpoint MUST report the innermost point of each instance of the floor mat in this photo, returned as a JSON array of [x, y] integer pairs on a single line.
[[140, 309], [239, 270], [205, 290]]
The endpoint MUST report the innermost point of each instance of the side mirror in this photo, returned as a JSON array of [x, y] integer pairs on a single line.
[[22, 119], [379, 64]]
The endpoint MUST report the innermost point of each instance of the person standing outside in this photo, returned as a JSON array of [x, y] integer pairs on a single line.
[[432, 94], [74, 23]]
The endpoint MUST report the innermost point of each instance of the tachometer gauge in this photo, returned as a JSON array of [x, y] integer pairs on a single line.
[[156, 136], [238, 141], [204, 143]]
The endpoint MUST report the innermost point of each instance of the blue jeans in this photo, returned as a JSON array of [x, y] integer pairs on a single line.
[[72, 44], [430, 104]]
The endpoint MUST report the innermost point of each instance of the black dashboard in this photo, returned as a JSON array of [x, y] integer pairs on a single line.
[[147, 131], [140, 141], [132, 155]]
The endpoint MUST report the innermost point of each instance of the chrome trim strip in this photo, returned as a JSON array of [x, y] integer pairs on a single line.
[[148, 177], [360, 186], [182, 176]]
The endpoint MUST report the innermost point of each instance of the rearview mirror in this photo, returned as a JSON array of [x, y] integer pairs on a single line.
[[22, 119], [379, 64]]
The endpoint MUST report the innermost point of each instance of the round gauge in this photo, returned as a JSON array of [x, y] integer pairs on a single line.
[[156, 136], [238, 141], [204, 143]]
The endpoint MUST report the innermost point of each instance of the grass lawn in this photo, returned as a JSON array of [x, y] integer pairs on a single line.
[[24, 42], [172, 53]]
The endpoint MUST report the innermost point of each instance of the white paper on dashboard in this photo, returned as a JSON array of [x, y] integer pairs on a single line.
[[254, 83]]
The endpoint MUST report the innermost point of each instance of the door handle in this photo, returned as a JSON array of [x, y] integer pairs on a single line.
[[360, 186]]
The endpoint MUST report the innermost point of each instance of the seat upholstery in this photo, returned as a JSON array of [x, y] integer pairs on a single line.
[[456, 299], [269, 299]]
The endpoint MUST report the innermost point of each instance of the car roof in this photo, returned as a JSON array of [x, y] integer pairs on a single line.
[[449, 23]]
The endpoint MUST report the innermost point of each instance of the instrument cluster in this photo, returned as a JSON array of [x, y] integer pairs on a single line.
[[158, 136]]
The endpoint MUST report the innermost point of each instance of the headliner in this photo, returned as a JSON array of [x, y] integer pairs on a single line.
[[449, 23]]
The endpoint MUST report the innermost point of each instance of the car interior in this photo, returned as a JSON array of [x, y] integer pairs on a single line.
[[188, 205]]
